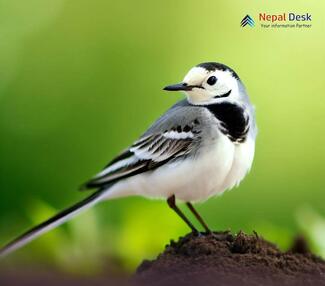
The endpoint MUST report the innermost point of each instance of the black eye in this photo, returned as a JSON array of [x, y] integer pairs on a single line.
[[212, 80]]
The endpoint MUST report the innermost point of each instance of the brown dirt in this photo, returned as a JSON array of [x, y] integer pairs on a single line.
[[227, 259], [223, 259]]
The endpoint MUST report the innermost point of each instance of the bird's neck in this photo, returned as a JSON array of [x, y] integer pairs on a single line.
[[233, 118]]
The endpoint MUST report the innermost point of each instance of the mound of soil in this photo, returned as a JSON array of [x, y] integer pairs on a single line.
[[227, 259]]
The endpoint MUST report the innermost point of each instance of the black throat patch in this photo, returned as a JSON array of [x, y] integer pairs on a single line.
[[234, 123]]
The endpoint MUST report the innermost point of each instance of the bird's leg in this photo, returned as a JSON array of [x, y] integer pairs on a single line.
[[199, 218], [171, 201]]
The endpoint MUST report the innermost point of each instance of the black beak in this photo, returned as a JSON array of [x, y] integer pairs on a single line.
[[178, 86]]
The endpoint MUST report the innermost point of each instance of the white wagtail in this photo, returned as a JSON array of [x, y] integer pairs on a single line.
[[200, 147]]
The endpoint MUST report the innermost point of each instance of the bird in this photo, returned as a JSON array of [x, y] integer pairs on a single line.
[[200, 147]]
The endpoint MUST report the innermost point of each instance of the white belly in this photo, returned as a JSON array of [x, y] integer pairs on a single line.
[[220, 168]]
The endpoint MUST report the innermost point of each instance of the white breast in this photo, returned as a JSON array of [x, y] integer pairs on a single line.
[[242, 162]]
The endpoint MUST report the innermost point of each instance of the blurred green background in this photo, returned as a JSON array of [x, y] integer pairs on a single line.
[[80, 80]]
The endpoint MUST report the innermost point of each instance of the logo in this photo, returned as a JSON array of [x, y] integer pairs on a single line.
[[247, 20], [278, 20]]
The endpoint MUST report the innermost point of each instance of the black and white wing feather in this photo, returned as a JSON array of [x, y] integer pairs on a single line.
[[172, 137]]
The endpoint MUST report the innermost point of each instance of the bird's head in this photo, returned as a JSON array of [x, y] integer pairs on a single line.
[[208, 83]]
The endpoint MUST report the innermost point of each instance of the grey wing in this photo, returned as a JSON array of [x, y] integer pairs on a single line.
[[173, 136]]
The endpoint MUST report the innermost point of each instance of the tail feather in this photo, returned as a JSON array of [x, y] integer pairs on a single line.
[[51, 223]]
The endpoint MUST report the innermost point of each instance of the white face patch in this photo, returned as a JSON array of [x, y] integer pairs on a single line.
[[196, 76], [205, 93]]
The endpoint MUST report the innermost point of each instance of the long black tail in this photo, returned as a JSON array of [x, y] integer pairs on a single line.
[[51, 223]]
